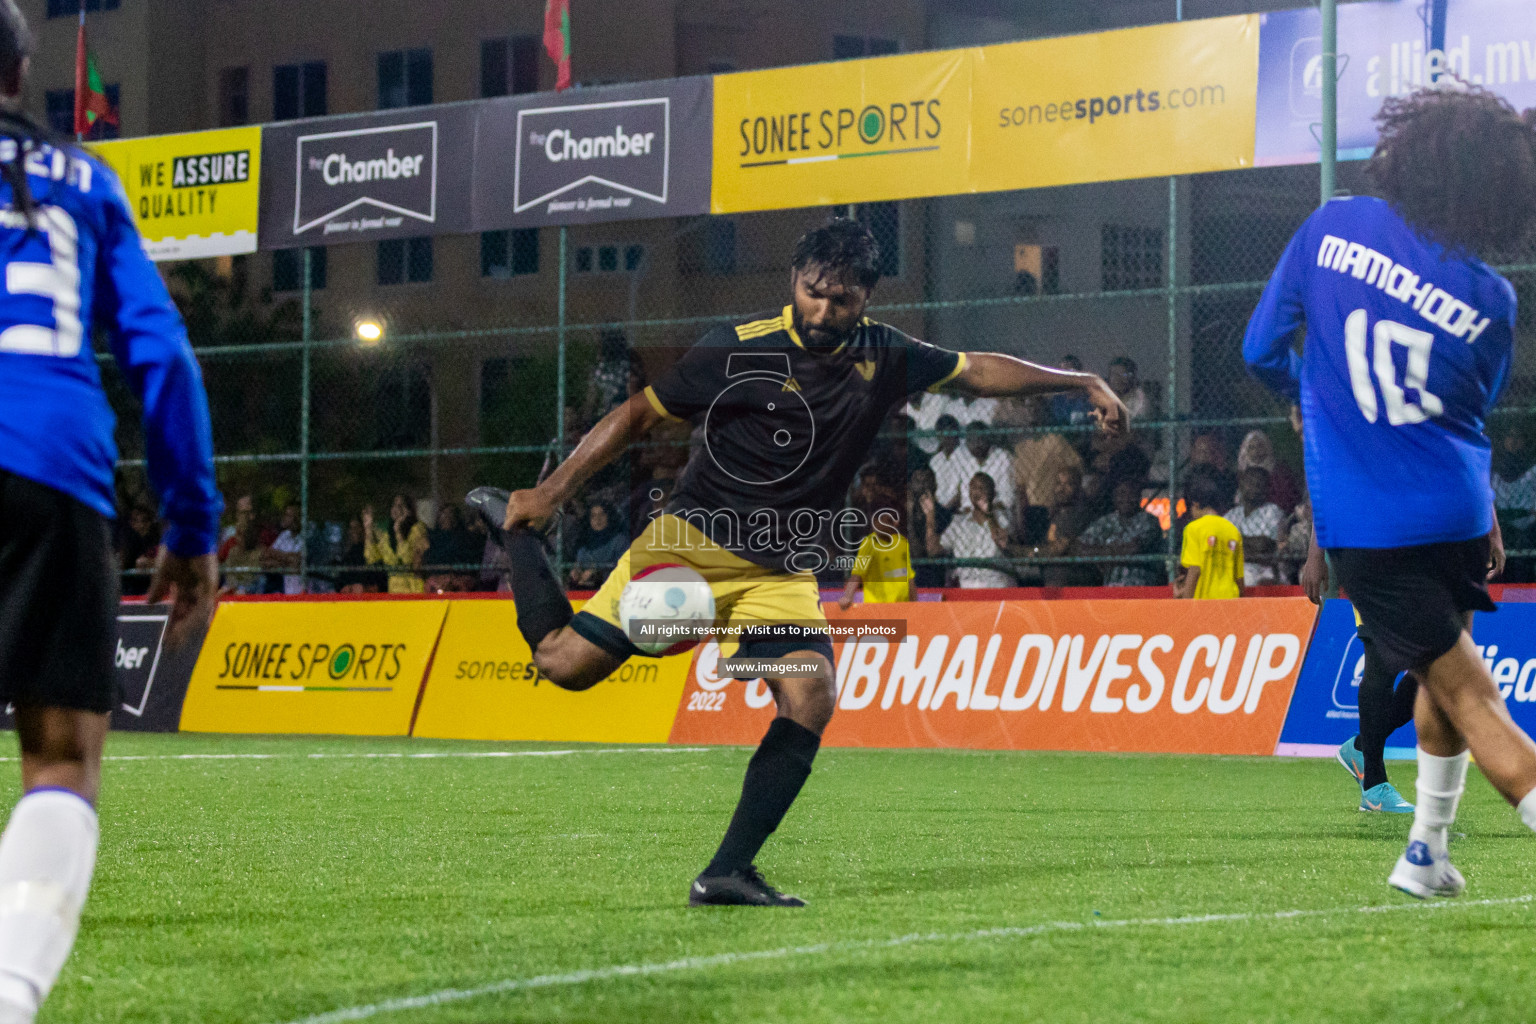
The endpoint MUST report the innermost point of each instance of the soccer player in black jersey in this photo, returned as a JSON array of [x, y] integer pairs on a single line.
[[790, 405]]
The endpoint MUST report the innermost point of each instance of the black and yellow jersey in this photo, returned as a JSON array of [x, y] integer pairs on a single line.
[[784, 430]]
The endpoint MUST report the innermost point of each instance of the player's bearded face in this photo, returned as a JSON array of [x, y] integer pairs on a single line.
[[827, 309]]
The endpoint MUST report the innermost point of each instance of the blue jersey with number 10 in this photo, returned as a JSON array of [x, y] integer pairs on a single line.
[[1407, 348], [78, 263]]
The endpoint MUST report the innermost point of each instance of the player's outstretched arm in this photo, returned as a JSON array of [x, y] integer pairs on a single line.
[[602, 444], [994, 375]]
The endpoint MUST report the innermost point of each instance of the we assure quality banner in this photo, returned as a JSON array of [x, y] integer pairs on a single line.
[[1166, 99], [193, 195], [1153, 676]]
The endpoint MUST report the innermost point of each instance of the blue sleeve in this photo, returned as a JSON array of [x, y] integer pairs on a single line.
[[1267, 344], [150, 344]]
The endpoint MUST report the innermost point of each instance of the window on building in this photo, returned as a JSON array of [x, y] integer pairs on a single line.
[[234, 97], [71, 8], [405, 78], [298, 90], [509, 253], [608, 259], [288, 269], [1036, 270], [884, 222], [1131, 257], [60, 109], [509, 67], [405, 261], [849, 47]]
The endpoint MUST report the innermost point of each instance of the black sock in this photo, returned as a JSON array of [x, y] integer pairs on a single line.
[[774, 777], [542, 606], [1383, 710]]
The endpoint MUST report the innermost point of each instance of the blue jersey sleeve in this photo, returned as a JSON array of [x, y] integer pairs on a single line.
[[150, 343], [1267, 344]]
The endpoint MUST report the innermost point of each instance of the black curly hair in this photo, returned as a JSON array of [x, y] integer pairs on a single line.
[[1460, 166], [16, 44], [843, 248]]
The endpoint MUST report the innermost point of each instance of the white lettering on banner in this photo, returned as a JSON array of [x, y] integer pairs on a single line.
[[1110, 673], [561, 145], [1434, 304], [337, 170]]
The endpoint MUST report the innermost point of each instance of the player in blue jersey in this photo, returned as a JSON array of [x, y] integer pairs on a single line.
[[73, 261], [1408, 341]]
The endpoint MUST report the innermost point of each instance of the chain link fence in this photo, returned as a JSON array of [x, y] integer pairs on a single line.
[[490, 368]]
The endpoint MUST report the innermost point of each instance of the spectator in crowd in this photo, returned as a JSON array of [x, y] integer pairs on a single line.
[[450, 543], [924, 414], [1115, 459], [1127, 530], [1124, 381], [401, 547], [244, 512], [1514, 497], [980, 533], [603, 544], [1258, 450], [609, 385], [353, 579], [1208, 459], [140, 546], [953, 466], [1296, 539], [1070, 516], [1038, 458], [925, 517], [973, 410], [650, 498], [1260, 522], [1070, 408], [997, 463], [287, 552], [244, 557], [1211, 554]]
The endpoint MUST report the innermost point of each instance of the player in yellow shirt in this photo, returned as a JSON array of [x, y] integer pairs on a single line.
[[883, 565], [1212, 556]]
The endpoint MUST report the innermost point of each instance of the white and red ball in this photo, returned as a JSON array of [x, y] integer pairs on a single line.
[[666, 592]]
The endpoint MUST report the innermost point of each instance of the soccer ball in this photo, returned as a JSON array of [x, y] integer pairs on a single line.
[[666, 591]]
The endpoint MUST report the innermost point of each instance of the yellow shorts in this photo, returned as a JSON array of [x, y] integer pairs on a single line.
[[746, 594]]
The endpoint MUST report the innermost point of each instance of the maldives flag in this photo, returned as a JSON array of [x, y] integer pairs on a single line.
[[557, 39], [91, 103]]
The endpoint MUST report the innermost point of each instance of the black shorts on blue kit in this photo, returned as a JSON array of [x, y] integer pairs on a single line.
[[1413, 601]]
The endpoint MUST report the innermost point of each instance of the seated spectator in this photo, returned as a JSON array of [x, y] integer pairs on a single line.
[[602, 546], [1124, 381], [244, 557], [451, 544], [1295, 542], [1208, 459], [244, 510], [353, 578], [1039, 457], [1115, 458], [973, 410], [401, 547], [994, 462], [925, 512], [1070, 516], [1259, 521], [952, 465], [1514, 497], [140, 546], [1258, 450], [287, 552], [980, 533], [1128, 530], [1071, 408]]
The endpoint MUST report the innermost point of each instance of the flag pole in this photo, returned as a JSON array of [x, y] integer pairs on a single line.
[[80, 77]]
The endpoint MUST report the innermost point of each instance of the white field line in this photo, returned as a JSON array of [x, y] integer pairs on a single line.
[[703, 963], [400, 755]]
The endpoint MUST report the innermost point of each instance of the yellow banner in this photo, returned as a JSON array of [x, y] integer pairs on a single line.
[[484, 686], [853, 131], [353, 667], [194, 195], [1141, 102]]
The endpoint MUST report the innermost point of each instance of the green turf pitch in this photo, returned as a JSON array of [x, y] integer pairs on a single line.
[[944, 886]]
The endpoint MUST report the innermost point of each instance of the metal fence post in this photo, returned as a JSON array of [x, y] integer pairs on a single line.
[[307, 337], [1171, 411], [560, 314], [1328, 158]]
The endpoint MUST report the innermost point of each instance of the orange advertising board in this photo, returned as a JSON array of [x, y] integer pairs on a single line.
[[1207, 677]]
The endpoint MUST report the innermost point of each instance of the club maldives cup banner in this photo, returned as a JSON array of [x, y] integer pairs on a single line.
[[1206, 677], [193, 195], [616, 153], [368, 177], [1383, 52]]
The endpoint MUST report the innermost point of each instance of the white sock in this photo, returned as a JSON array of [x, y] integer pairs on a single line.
[[1527, 810], [1440, 784], [47, 855]]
